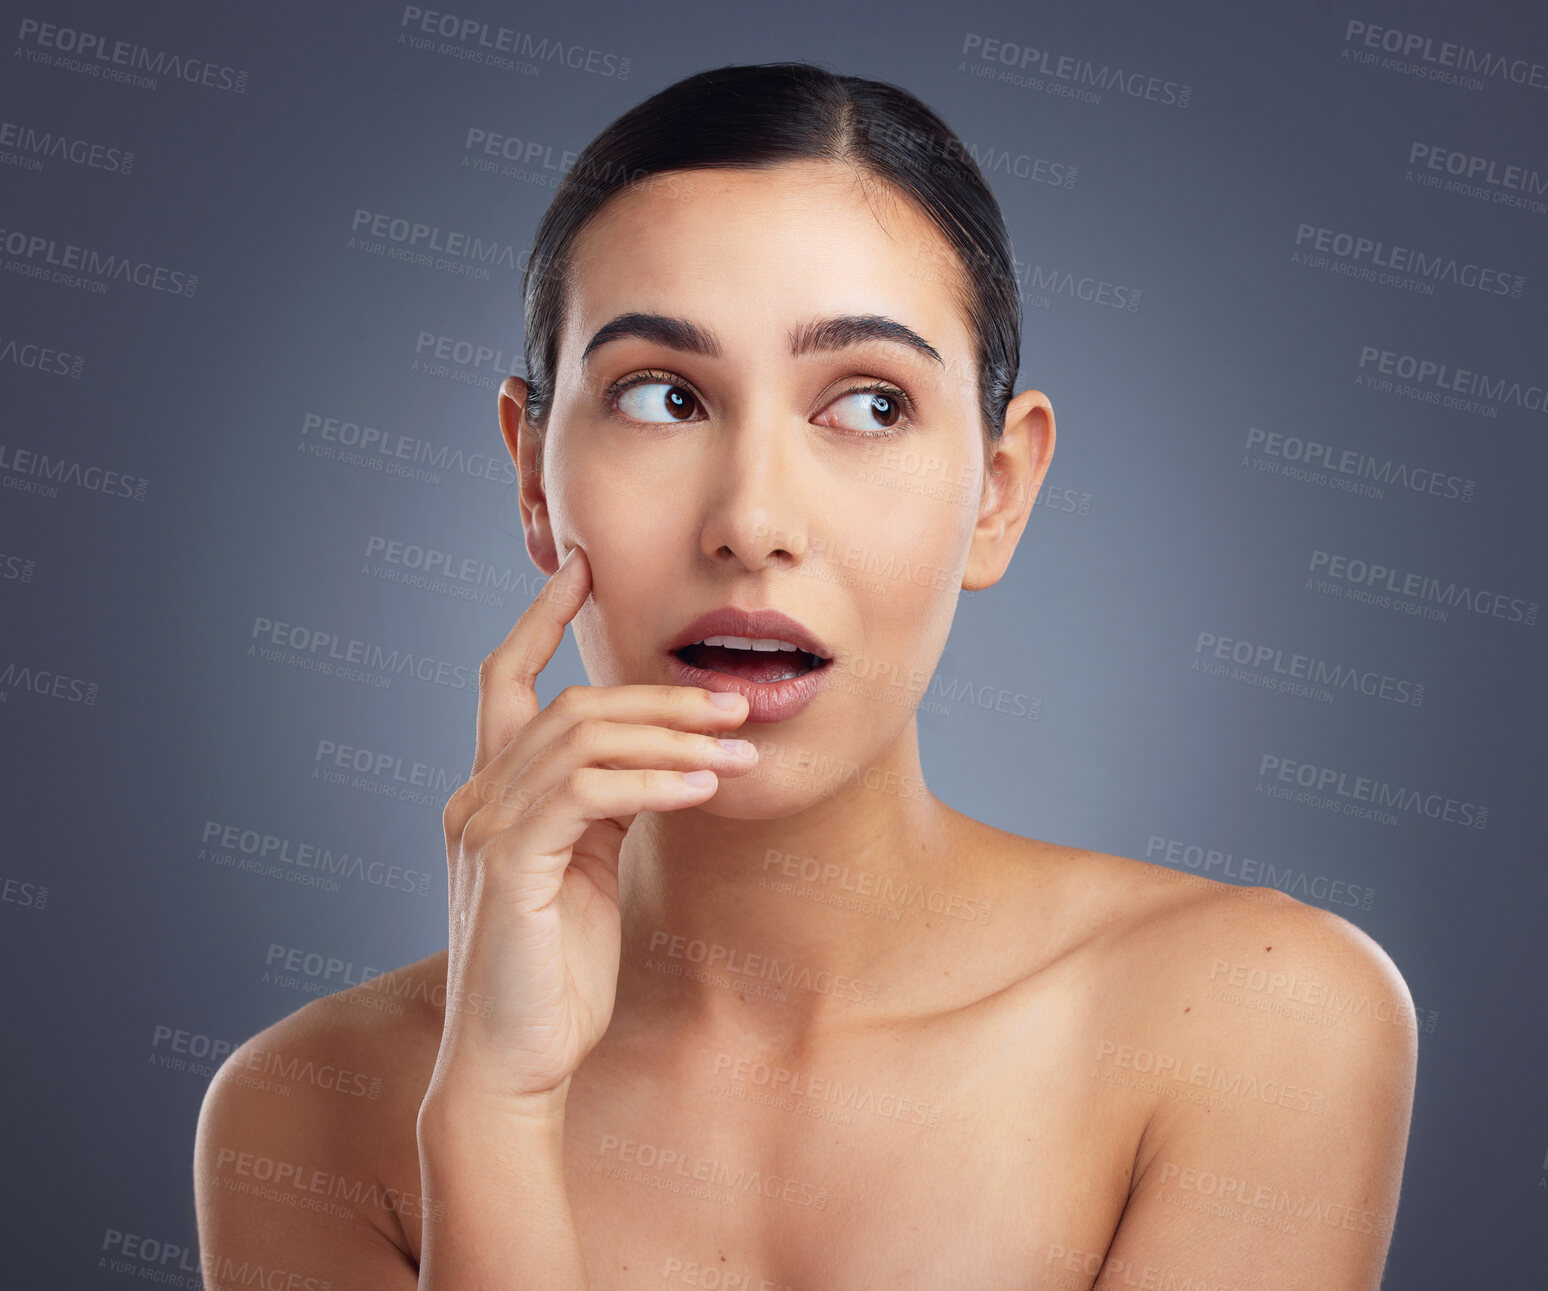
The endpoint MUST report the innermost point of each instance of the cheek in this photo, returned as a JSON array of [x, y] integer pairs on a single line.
[[631, 536], [908, 528], [595, 500], [900, 550]]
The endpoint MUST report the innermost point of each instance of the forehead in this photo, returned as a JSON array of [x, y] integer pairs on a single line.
[[751, 252]]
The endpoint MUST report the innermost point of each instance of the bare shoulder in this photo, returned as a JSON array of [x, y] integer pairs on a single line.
[[1187, 931], [312, 1121], [1258, 1056], [1218, 998], [1184, 960], [1252, 950]]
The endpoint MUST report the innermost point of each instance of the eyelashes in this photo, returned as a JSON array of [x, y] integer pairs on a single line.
[[904, 404], [648, 377], [654, 376]]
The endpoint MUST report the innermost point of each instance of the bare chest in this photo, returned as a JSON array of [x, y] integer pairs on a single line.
[[965, 1158], [875, 1202]]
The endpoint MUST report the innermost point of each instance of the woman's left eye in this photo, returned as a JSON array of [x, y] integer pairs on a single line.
[[873, 410]]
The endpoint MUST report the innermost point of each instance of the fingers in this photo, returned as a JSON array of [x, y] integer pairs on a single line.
[[507, 700], [542, 839], [514, 785], [509, 778], [686, 708]]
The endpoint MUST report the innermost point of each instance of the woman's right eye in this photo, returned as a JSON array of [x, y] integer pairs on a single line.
[[657, 402]]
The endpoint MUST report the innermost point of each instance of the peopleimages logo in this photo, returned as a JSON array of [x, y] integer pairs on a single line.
[[18, 569], [96, 55], [30, 471], [1348, 468], [315, 650], [33, 145], [988, 158], [1308, 670], [419, 243], [384, 774], [788, 974], [1373, 578], [467, 578], [44, 681], [1504, 184], [1438, 60], [240, 847], [1074, 78], [1041, 285], [476, 41], [1294, 882], [506, 155], [41, 358], [1432, 381], [1319, 781], [453, 352], [1356, 256], [398, 454], [37, 256]]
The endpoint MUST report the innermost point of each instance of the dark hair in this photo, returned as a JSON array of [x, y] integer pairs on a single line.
[[758, 115]]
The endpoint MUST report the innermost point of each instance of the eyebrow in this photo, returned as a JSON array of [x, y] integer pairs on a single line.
[[825, 334]]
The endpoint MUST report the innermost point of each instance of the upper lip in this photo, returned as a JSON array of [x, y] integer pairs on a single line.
[[733, 621]]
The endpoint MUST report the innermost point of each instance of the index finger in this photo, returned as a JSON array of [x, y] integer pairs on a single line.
[[507, 700]]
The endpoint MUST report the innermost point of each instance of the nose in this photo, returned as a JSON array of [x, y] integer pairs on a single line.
[[756, 512]]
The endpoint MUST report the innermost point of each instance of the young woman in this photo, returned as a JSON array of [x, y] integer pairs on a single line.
[[731, 1000]]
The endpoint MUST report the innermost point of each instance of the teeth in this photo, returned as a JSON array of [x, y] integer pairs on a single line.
[[749, 643]]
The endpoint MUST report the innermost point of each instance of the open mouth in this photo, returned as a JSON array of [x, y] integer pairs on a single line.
[[761, 660]]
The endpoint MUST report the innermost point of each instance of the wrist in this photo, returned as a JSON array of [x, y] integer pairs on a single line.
[[450, 1110]]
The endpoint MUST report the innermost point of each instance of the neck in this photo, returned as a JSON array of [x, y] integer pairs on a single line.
[[777, 929]]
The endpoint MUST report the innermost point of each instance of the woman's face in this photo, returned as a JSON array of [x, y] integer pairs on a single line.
[[728, 471]]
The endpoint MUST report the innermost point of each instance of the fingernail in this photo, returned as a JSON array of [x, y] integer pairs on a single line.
[[739, 748], [562, 577], [699, 779], [726, 699]]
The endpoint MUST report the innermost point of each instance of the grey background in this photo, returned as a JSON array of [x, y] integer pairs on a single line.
[[1152, 530]]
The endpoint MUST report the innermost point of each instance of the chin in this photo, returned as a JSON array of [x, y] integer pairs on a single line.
[[766, 795]]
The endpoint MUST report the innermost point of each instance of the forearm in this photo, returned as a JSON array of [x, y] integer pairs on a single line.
[[498, 1214]]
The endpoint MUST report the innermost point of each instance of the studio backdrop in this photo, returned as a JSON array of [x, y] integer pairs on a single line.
[[1275, 619]]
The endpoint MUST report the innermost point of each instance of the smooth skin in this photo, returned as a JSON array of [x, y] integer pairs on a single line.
[[1055, 1068]]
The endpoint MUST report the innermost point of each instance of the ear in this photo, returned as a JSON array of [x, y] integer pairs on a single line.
[[526, 449], [1014, 475]]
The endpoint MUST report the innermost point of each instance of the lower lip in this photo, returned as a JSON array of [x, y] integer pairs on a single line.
[[767, 701]]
